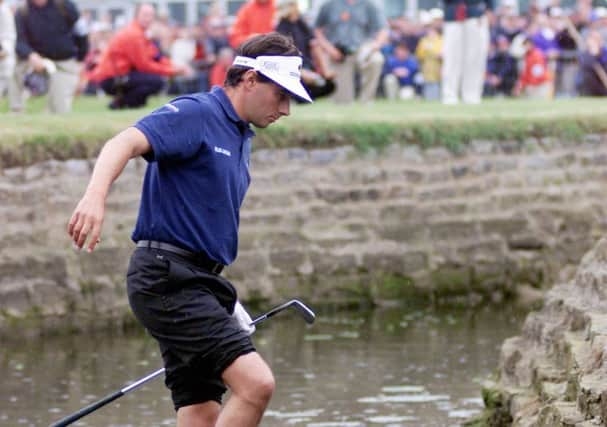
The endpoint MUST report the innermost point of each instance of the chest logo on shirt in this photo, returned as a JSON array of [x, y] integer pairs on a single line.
[[222, 151]]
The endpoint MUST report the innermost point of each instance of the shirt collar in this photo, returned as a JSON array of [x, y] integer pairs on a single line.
[[220, 95]]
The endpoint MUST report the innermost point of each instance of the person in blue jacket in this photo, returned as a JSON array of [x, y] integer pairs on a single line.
[[400, 73], [197, 147], [502, 71]]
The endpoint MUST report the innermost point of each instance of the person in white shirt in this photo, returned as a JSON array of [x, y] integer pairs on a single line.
[[8, 35]]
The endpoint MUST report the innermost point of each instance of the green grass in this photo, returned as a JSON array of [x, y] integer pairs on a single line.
[[36, 135]]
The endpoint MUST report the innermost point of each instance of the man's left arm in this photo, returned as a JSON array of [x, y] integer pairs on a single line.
[[378, 26]]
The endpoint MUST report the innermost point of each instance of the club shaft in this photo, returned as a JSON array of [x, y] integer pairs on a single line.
[[113, 396]]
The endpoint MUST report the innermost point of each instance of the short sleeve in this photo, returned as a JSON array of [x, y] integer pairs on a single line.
[[176, 130], [377, 21], [322, 19]]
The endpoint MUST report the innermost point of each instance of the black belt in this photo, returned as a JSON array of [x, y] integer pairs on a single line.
[[197, 258]]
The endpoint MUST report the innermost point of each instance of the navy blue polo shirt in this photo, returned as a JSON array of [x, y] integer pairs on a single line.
[[197, 175]]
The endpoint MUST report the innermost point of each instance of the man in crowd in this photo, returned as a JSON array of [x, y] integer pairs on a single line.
[[132, 67], [535, 80], [51, 40], [315, 73], [466, 46], [593, 66], [254, 17], [8, 36], [400, 73], [502, 71], [198, 148], [352, 32]]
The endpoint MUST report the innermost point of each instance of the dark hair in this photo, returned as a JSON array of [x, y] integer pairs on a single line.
[[274, 43]]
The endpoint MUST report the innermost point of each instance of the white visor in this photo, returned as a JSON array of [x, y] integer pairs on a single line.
[[285, 71]]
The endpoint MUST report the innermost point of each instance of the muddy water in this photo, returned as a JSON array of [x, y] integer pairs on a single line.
[[391, 367]]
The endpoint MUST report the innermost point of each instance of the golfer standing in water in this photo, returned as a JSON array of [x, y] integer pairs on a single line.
[[197, 148]]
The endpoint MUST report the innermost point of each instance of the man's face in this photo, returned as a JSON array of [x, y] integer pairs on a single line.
[[268, 103], [146, 15], [40, 3]]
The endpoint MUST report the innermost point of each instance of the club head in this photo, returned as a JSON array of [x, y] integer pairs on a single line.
[[304, 310]]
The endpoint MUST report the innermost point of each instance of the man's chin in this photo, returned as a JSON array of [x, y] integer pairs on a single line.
[[264, 124]]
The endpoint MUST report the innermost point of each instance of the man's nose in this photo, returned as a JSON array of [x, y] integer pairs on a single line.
[[284, 108]]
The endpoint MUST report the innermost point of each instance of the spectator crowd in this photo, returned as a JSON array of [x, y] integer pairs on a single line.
[[462, 52]]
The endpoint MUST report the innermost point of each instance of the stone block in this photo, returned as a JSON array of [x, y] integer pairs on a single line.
[[451, 230], [248, 263], [104, 261], [531, 145], [437, 155], [412, 176], [451, 280], [329, 264], [14, 298], [482, 147], [383, 262], [505, 164], [297, 154], [565, 160], [78, 168], [399, 191], [405, 232], [510, 147], [436, 193], [287, 261], [505, 227], [323, 157], [412, 154], [396, 213], [459, 171], [593, 139], [526, 242], [280, 239], [438, 176], [481, 166]]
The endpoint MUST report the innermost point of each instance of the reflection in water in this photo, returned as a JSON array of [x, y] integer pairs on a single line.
[[392, 368]]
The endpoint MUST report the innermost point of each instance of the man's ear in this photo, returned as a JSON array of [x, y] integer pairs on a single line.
[[250, 79]]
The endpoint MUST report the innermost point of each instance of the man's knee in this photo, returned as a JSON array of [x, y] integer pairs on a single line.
[[257, 390], [265, 387], [198, 415], [250, 378]]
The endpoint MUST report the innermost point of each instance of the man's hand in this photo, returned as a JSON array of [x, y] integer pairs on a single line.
[[87, 220], [36, 62], [243, 318], [184, 70]]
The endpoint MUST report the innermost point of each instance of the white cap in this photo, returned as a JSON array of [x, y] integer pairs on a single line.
[[285, 71], [424, 17], [436, 13]]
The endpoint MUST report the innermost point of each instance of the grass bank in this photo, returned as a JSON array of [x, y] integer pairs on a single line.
[[36, 135]]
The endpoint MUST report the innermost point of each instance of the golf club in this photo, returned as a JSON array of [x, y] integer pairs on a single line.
[[307, 314]]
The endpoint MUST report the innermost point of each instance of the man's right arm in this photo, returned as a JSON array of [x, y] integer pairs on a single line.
[[87, 219]]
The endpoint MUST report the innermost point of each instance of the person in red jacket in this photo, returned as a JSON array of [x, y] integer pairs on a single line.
[[253, 18], [219, 70], [536, 79], [132, 67]]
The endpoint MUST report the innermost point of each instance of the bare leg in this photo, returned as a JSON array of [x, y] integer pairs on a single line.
[[251, 383], [319, 60], [199, 415]]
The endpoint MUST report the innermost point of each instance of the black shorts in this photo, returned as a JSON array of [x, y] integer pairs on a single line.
[[188, 311]]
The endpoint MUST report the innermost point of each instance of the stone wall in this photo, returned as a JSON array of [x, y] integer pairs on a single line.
[[328, 226], [555, 373]]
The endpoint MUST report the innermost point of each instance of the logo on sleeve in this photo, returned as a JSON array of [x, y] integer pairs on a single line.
[[222, 151], [172, 108]]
